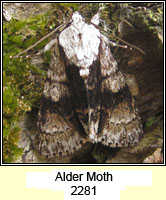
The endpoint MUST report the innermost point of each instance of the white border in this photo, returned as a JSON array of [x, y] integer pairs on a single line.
[[44, 164]]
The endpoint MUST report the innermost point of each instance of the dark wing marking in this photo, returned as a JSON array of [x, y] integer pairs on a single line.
[[119, 123], [58, 132]]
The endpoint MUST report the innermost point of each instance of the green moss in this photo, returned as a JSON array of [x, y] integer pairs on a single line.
[[151, 121], [148, 19], [20, 91], [75, 6]]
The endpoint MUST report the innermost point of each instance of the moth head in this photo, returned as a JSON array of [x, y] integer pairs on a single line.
[[76, 17]]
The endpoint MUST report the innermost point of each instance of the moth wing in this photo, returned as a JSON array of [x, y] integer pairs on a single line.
[[119, 123], [57, 134]]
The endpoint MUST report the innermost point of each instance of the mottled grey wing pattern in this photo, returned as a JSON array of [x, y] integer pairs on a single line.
[[58, 132], [85, 96], [119, 124]]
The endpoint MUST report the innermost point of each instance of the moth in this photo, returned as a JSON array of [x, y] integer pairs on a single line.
[[85, 96]]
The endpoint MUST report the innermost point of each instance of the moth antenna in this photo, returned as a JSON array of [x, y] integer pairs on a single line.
[[48, 35], [118, 38]]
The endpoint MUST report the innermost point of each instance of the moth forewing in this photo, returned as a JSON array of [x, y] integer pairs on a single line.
[[58, 133]]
